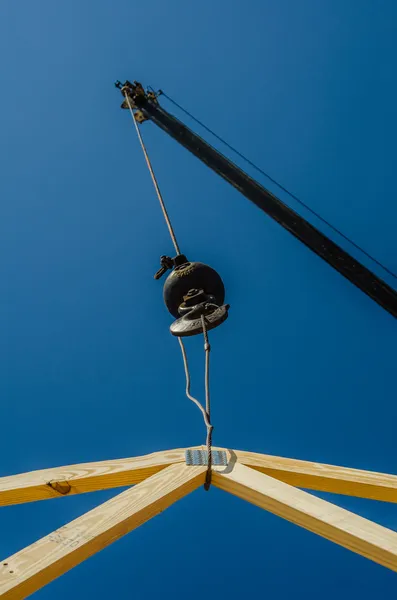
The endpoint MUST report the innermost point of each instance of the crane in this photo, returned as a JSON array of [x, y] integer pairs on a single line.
[[157, 480], [146, 107]]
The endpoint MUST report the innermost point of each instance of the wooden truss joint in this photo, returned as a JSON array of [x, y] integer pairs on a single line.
[[161, 478]]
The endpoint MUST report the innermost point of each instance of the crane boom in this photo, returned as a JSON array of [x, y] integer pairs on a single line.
[[148, 108]]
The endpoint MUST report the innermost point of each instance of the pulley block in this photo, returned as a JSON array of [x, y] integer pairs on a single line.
[[192, 290]]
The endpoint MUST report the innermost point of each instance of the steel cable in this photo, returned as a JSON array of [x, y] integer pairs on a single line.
[[155, 183], [206, 412]]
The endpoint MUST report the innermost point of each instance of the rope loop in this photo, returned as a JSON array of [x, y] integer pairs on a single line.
[[206, 412]]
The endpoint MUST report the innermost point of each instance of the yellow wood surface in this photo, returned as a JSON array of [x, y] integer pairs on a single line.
[[88, 477], [321, 477], [327, 520], [38, 564]]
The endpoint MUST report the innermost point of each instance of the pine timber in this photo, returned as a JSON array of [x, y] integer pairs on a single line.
[[322, 477], [38, 564], [319, 516], [88, 477]]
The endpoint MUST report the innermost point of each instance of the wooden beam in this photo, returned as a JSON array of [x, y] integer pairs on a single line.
[[38, 564], [319, 516], [321, 477], [88, 477]]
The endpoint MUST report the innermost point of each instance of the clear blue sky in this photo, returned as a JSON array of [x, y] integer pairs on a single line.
[[305, 366]]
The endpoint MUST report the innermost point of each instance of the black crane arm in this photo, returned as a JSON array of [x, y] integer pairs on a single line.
[[147, 107]]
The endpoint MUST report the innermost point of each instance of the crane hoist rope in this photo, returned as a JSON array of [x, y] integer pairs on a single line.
[[207, 410], [194, 293], [155, 183]]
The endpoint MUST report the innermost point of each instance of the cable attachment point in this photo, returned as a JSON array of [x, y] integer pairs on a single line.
[[198, 304], [167, 263], [137, 96]]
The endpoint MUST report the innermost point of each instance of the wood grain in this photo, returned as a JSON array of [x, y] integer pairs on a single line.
[[319, 516], [38, 564], [88, 477], [322, 477]]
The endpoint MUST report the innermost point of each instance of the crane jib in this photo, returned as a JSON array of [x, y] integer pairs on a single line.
[[334, 255]]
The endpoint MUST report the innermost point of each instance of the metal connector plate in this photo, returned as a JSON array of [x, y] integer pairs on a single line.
[[200, 458]]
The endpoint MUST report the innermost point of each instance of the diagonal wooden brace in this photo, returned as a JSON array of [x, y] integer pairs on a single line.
[[319, 516], [38, 564]]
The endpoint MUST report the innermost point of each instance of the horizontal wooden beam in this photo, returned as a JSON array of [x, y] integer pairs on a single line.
[[30, 569], [322, 477], [88, 477], [319, 516]]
